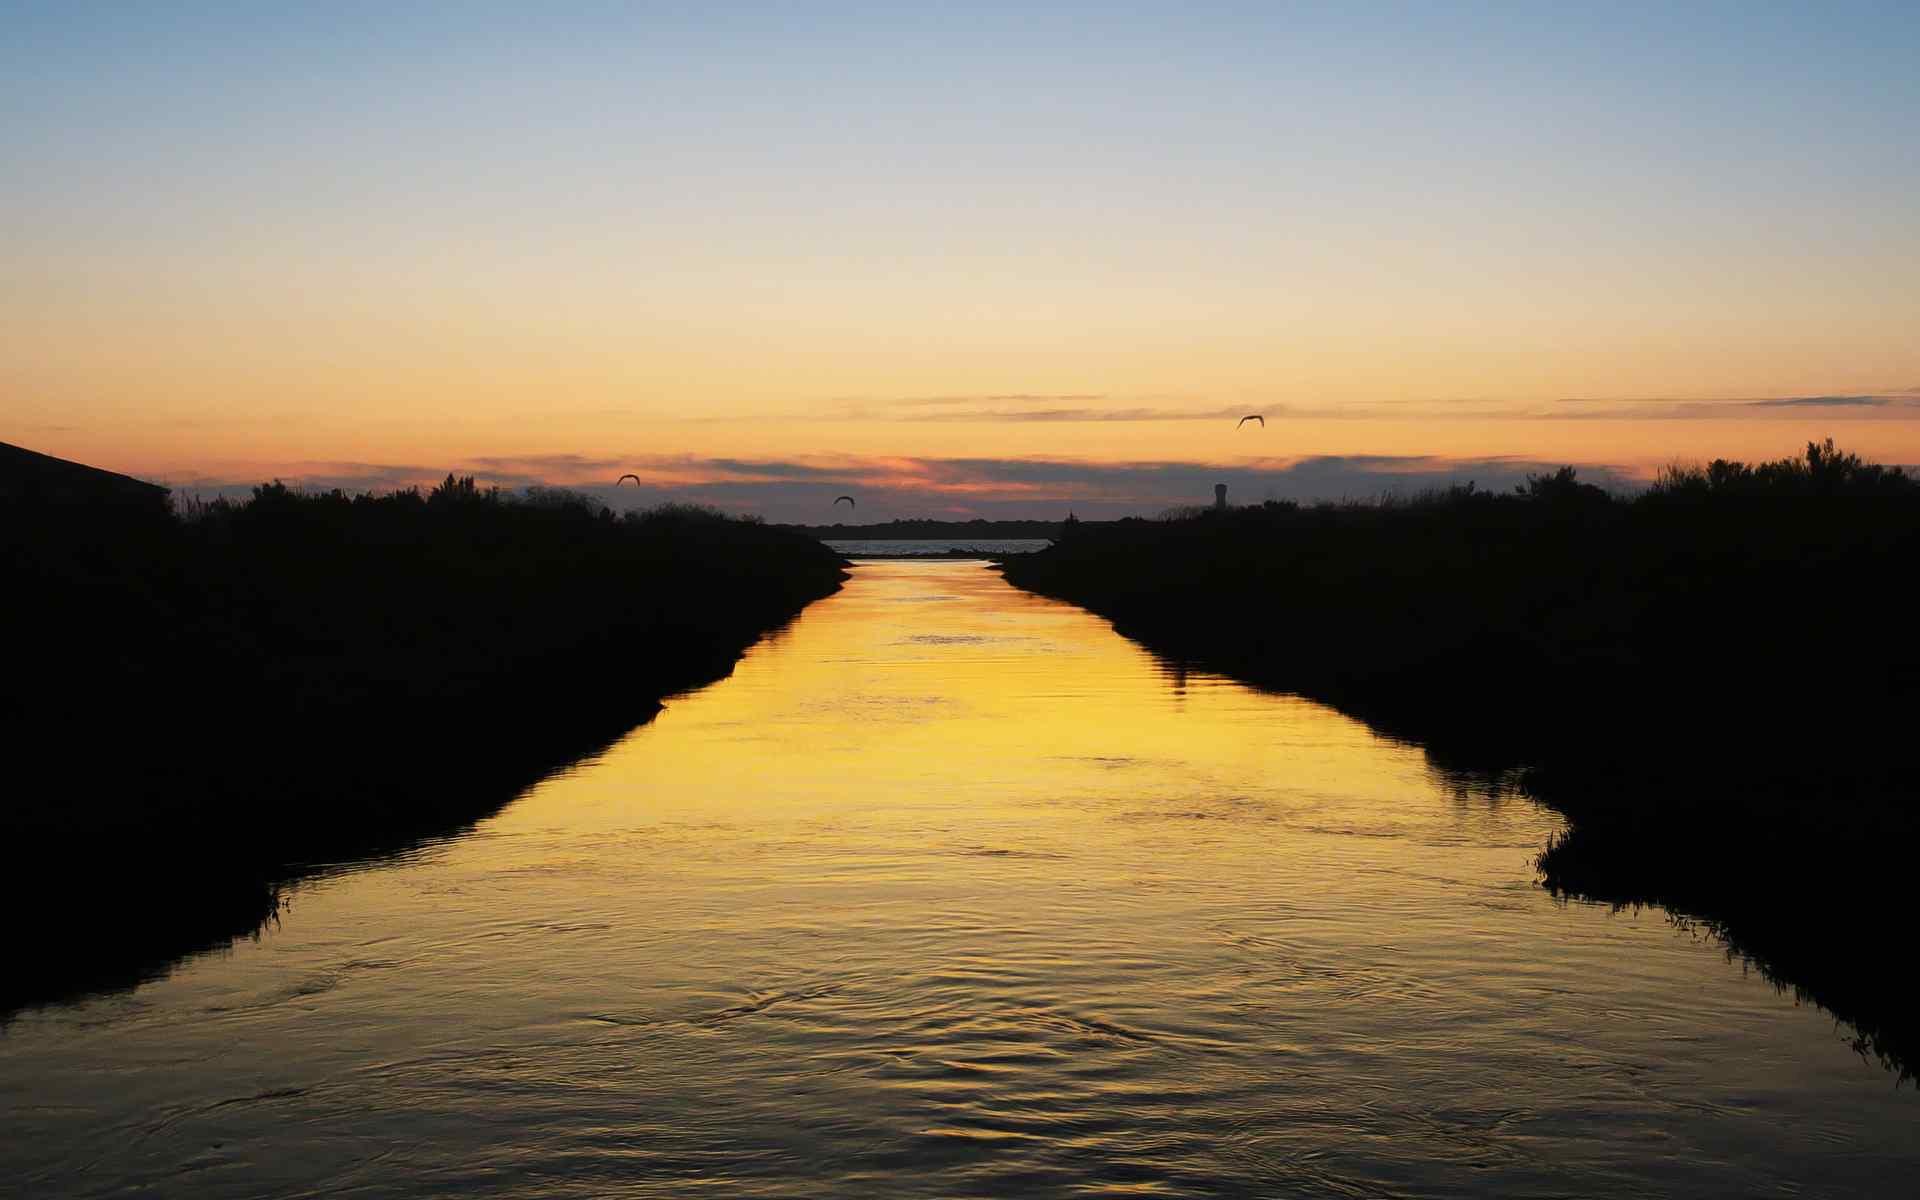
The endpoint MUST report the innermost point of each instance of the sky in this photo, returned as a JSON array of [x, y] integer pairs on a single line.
[[980, 260]]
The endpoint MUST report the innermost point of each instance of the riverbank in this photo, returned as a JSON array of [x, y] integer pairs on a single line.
[[1714, 681], [949, 889], [211, 703]]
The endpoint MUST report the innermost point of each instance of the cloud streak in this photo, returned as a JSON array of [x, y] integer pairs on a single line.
[[1002, 398], [1871, 405], [1825, 402], [1055, 415]]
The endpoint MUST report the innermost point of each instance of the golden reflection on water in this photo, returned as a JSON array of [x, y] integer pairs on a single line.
[[937, 689], [949, 890]]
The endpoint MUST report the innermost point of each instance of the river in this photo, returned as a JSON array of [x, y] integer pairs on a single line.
[[950, 890]]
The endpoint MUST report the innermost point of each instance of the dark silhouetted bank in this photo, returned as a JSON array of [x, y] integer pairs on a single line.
[[202, 705], [1715, 680]]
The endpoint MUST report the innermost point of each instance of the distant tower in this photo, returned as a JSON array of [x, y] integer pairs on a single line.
[[1219, 497]]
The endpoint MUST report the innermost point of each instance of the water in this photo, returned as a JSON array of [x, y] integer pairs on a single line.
[[951, 891], [893, 547]]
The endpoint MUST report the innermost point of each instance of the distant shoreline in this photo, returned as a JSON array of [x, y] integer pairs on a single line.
[[936, 531]]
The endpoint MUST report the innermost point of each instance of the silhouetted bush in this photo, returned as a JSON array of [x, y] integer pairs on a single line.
[[1824, 471], [247, 686], [1715, 679]]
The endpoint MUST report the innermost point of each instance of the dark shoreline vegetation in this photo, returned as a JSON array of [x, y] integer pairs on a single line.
[[1714, 681], [205, 706]]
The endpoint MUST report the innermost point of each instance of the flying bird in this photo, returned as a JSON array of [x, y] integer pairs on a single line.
[[1253, 417], [848, 499], [624, 478]]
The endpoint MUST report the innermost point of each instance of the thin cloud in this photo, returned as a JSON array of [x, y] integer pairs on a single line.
[[999, 398], [1735, 401], [1824, 402], [770, 469], [535, 463], [1876, 405], [1051, 415]]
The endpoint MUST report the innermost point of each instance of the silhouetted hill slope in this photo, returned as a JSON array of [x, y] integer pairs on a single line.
[[199, 707], [1716, 681], [27, 475]]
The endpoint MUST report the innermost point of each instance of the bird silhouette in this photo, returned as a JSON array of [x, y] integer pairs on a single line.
[[624, 478], [1253, 417], [848, 499]]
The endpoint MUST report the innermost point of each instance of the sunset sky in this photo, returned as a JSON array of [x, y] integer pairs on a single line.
[[984, 261]]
